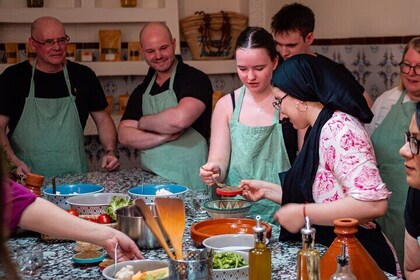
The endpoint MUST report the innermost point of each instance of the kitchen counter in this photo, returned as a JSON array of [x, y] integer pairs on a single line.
[[57, 256]]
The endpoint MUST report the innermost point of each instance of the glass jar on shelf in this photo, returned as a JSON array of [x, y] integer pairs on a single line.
[[128, 3], [35, 3]]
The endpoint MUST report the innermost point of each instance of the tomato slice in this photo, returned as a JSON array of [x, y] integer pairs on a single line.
[[104, 219], [73, 212]]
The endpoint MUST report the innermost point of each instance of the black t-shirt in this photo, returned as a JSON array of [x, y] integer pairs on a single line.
[[15, 84], [189, 82], [412, 212]]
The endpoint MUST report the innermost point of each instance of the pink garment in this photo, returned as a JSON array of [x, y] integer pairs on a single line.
[[347, 164], [17, 199]]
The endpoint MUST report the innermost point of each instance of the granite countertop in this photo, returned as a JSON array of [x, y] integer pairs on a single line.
[[57, 256]]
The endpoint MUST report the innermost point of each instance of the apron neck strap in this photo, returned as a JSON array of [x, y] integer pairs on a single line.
[[66, 78]]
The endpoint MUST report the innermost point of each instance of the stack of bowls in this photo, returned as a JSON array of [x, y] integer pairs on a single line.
[[64, 192], [148, 193]]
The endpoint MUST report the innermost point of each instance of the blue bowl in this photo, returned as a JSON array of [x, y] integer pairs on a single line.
[[66, 191], [148, 192]]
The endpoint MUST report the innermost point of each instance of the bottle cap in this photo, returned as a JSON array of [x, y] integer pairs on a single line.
[[258, 228], [307, 229]]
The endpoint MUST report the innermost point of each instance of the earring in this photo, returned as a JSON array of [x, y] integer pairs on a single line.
[[302, 103]]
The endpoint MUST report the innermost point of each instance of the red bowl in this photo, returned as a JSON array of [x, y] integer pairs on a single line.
[[211, 227]]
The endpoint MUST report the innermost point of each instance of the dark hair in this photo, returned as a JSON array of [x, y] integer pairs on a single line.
[[293, 17], [257, 38], [418, 114]]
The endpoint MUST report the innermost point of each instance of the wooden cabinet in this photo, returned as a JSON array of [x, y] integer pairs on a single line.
[[83, 19]]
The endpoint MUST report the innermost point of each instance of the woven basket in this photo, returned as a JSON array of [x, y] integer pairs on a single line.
[[213, 36]]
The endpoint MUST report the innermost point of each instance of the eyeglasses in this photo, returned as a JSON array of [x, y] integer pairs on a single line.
[[413, 143], [405, 68], [277, 104], [51, 42]]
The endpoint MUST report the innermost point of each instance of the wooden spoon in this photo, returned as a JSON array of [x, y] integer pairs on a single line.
[[153, 225], [171, 212]]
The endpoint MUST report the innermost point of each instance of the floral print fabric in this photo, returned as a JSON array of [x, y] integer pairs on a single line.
[[347, 164]]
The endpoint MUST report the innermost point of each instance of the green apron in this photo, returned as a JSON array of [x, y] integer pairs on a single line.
[[387, 140], [179, 160], [256, 153], [49, 137]]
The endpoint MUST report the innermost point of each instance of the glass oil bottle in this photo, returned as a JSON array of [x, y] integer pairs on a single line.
[[308, 259], [260, 256], [343, 269]]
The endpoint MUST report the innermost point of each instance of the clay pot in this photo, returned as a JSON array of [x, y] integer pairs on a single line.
[[361, 263], [34, 183]]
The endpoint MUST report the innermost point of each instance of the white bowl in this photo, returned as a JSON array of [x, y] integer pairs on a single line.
[[148, 192], [138, 265], [231, 242], [240, 273], [92, 204]]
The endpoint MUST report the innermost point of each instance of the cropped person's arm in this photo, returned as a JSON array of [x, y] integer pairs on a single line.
[[45, 217], [411, 257], [108, 137], [291, 215], [174, 119], [219, 152], [22, 168]]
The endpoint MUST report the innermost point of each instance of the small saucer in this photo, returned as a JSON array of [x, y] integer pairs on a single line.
[[88, 260], [229, 191]]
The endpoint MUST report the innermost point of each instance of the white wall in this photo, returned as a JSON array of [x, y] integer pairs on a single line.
[[358, 18]]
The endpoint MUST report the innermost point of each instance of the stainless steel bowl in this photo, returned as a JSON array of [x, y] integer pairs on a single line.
[[130, 221]]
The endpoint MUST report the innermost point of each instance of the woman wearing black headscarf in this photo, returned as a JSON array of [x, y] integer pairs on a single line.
[[335, 174]]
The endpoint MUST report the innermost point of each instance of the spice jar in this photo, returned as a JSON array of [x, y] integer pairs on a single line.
[[34, 183], [35, 3], [128, 3]]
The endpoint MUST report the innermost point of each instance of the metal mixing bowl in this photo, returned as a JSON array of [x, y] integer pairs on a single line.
[[130, 221]]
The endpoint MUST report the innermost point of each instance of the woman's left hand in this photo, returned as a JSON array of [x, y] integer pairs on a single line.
[[291, 217]]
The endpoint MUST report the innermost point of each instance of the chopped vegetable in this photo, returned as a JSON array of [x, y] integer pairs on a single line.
[[116, 203], [225, 260]]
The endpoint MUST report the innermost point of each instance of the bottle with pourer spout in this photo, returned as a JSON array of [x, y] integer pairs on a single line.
[[308, 259], [343, 271], [260, 256]]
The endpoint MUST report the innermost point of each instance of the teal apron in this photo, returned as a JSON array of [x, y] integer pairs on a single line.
[[49, 137], [387, 140], [256, 153], [179, 160]]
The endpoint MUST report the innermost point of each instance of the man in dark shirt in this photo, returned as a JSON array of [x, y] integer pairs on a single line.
[[168, 116], [45, 106]]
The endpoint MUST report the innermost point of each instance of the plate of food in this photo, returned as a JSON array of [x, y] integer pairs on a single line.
[[88, 257], [138, 270]]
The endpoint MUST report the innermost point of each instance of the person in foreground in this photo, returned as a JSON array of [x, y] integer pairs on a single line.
[[410, 152], [393, 111], [335, 174], [168, 115], [247, 139], [21, 208], [45, 106]]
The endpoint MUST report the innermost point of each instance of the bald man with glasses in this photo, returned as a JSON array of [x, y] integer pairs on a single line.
[[45, 105]]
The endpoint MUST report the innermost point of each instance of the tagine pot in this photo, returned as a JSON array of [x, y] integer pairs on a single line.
[[362, 264]]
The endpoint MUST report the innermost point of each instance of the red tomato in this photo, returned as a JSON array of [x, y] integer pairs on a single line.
[[91, 219], [73, 212], [104, 219]]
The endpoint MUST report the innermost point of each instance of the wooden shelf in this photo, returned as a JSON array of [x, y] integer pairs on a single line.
[[139, 68]]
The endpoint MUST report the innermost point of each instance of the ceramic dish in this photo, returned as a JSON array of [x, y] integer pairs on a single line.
[[66, 191], [229, 191], [240, 273], [149, 192], [138, 265], [231, 242], [204, 229], [97, 259], [227, 208]]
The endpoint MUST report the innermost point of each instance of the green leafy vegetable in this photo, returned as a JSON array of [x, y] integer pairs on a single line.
[[116, 203], [225, 260]]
